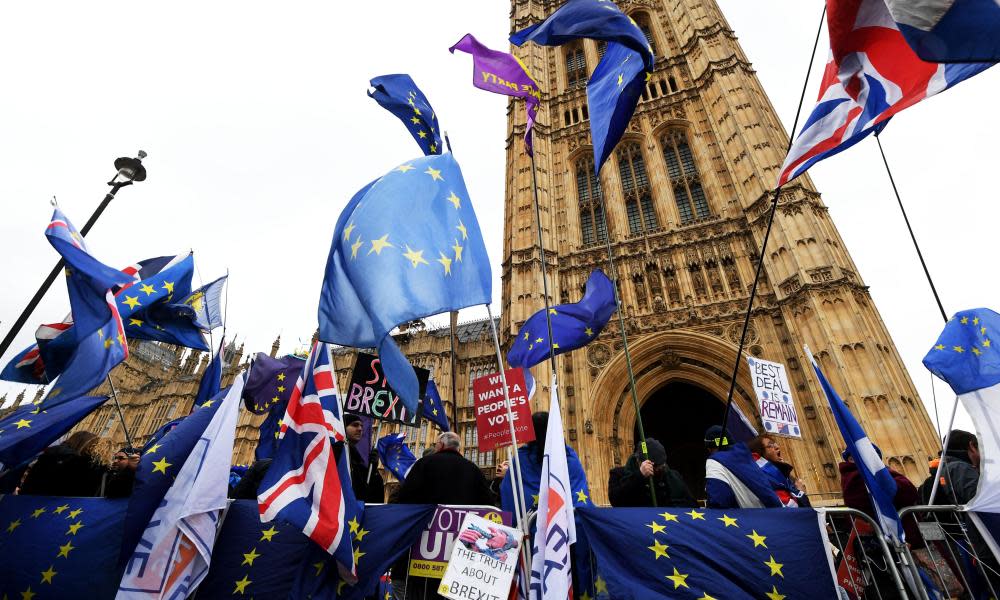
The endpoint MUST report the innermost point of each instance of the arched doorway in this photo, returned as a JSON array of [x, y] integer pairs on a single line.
[[677, 414]]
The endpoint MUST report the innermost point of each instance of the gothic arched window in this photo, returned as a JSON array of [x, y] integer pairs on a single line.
[[576, 67], [642, 20], [688, 191], [635, 188], [593, 227]]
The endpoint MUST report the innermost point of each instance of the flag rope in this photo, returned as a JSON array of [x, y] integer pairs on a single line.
[[767, 232]]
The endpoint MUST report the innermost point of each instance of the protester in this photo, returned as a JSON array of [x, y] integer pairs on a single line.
[[246, 489], [120, 478], [732, 478], [631, 485], [366, 480], [767, 453], [444, 477], [856, 495], [960, 475], [72, 468]]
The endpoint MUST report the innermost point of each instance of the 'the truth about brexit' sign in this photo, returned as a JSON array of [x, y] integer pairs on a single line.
[[429, 555], [369, 394], [774, 397]]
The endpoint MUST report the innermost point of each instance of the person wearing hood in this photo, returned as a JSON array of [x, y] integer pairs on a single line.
[[960, 475], [366, 489], [732, 478], [630, 485], [767, 453]]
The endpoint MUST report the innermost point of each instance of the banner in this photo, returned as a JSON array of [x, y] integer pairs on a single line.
[[774, 398], [491, 414], [482, 563], [429, 556], [370, 395]]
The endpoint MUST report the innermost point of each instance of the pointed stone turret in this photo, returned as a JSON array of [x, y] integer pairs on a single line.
[[275, 346]]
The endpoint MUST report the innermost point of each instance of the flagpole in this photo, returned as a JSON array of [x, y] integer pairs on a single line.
[[121, 415], [767, 232], [454, 374], [545, 278], [371, 464]]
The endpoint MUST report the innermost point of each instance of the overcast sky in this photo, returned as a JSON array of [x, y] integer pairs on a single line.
[[259, 130]]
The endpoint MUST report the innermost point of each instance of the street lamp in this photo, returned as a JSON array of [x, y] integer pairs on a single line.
[[129, 170]]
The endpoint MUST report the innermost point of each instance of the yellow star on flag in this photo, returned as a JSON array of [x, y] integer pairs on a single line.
[[48, 574], [976, 351], [416, 110], [589, 331], [434, 173], [361, 534], [581, 496], [678, 579], [169, 286], [208, 403], [281, 376], [281, 388], [319, 567], [27, 594], [132, 301], [153, 448], [38, 512], [669, 516], [414, 256], [695, 515], [136, 322], [775, 567], [347, 231], [108, 343], [465, 232], [74, 513], [958, 349], [354, 525], [729, 521], [161, 465], [379, 244], [534, 499], [774, 595], [358, 554], [65, 550], [621, 78], [659, 549], [445, 262], [600, 586], [965, 320], [267, 534], [656, 527], [458, 252], [355, 246], [13, 525], [147, 289], [422, 134], [758, 540], [23, 423], [61, 509], [455, 201], [415, 120], [986, 343], [404, 168], [975, 321], [74, 528], [939, 347], [241, 585], [434, 148], [249, 557]]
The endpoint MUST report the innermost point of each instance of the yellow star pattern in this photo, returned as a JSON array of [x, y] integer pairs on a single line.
[[621, 78], [354, 525], [13, 525], [241, 585], [147, 289], [132, 301], [23, 423], [775, 567], [74, 528], [965, 320], [465, 232], [669, 517], [659, 549], [319, 567], [656, 527], [161, 465], [445, 262], [347, 232], [404, 168], [455, 201], [249, 557], [729, 521], [434, 173], [37, 513], [695, 515], [600, 586], [986, 343], [281, 376], [581, 496], [458, 253], [434, 148], [66, 549], [774, 595], [939, 347], [153, 448], [74, 513], [136, 322], [414, 120], [958, 349], [267, 534], [61, 509], [356, 246], [758, 540], [678, 579], [48, 574], [358, 554], [361, 534], [379, 244], [169, 286], [414, 256], [422, 134], [27, 594], [589, 331]]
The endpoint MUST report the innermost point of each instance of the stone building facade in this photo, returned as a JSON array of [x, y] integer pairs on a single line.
[[685, 196]]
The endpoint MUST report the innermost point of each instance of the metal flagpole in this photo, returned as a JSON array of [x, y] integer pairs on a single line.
[[121, 415], [454, 374], [767, 232], [371, 463]]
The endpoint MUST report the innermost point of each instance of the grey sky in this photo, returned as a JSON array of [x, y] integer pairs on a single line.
[[258, 131]]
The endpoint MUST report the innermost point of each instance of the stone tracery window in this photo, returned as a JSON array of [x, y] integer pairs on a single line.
[[593, 227], [684, 178], [576, 67], [636, 189], [642, 20]]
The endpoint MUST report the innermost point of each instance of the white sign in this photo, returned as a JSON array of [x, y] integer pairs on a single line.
[[482, 562], [774, 398]]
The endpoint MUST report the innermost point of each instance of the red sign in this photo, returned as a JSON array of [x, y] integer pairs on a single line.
[[491, 414]]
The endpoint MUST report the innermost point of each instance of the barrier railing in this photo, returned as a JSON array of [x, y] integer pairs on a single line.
[[867, 568]]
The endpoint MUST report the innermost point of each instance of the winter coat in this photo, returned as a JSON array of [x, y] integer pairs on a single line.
[[62, 471], [779, 474], [959, 481], [733, 480], [627, 486], [246, 489], [445, 477], [852, 484], [366, 490]]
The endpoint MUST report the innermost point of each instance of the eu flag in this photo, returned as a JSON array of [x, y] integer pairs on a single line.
[[531, 477], [573, 325], [406, 246], [395, 455], [643, 553], [400, 96], [614, 89], [268, 388], [28, 430], [55, 547], [211, 378], [433, 408], [204, 305], [964, 355], [148, 311]]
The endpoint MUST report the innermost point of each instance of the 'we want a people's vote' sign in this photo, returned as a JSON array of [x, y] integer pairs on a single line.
[[774, 397]]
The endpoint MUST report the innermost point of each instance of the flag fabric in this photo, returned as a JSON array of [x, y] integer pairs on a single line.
[[395, 454], [881, 486], [211, 378], [27, 430], [964, 357], [307, 485], [531, 477], [738, 426], [551, 572], [55, 547], [400, 96], [147, 305], [154, 280], [950, 30], [389, 266], [270, 384], [99, 341], [159, 433], [703, 553], [175, 551], [617, 83], [43, 361], [502, 73], [573, 325], [204, 305], [872, 74], [433, 408]]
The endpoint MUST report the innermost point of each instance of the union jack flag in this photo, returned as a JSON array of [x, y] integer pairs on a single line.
[[871, 75], [308, 485]]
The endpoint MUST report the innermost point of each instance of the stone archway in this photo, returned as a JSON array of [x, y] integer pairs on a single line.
[[672, 357]]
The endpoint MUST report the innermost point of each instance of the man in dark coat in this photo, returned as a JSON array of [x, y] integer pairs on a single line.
[[630, 485], [118, 482], [960, 475], [367, 482]]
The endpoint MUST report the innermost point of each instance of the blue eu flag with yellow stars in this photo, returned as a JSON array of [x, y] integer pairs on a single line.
[[964, 354], [28, 430], [395, 454], [407, 246], [268, 388], [573, 325], [148, 306], [643, 553], [400, 96], [433, 408], [55, 547], [617, 83], [204, 305]]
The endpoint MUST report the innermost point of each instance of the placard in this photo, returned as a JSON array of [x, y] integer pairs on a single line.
[[491, 414], [774, 398], [483, 562], [429, 556], [370, 395]]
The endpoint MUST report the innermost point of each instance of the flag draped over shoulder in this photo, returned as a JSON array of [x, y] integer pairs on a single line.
[[307, 485], [433, 408], [502, 73], [270, 384], [407, 245], [617, 83], [950, 30], [175, 550], [531, 477], [399, 95], [395, 455], [573, 325], [644, 553], [148, 304], [99, 342], [28, 430], [871, 75], [965, 357], [55, 547], [879, 482]]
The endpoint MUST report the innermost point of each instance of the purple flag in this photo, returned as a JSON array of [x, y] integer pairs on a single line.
[[502, 73]]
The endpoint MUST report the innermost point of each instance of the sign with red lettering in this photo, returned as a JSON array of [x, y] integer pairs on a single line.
[[493, 430], [369, 394], [774, 398]]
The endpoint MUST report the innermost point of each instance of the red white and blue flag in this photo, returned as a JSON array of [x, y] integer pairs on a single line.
[[308, 485], [872, 74]]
